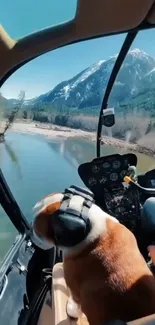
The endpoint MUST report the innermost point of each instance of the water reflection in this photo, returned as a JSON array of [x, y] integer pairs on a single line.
[[8, 151], [13, 156], [36, 166], [77, 151], [74, 150]]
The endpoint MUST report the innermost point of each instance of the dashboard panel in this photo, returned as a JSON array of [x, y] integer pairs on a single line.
[[106, 171], [105, 178], [123, 204]]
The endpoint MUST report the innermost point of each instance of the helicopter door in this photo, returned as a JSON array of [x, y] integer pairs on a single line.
[[15, 253]]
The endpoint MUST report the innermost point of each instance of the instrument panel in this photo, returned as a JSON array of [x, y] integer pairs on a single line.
[[106, 171], [105, 178], [122, 203]]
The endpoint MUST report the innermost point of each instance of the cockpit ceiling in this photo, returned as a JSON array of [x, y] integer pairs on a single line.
[[93, 18], [110, 16]]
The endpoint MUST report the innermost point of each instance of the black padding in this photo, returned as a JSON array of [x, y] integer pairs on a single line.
[[77, 190], [68, 226], [68, 230]]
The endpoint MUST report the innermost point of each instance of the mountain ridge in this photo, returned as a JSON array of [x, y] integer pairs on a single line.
[[86, 89]]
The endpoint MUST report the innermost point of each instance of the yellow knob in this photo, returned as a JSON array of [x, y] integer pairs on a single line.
[[127, 179]]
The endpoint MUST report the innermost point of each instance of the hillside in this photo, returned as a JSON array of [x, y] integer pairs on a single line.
[[86, 89], [75, 103]]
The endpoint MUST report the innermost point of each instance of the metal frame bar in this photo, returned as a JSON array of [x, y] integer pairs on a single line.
[[11, 207], [122, 54]]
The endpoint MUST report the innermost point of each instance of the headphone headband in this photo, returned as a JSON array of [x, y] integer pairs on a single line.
[[70, 226]]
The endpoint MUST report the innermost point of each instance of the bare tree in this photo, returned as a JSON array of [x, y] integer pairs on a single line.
[[13, 114]]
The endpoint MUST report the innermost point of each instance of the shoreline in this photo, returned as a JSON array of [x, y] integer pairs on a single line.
[[54, 131]]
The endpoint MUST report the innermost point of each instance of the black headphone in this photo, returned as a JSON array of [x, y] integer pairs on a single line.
[[69, 227]]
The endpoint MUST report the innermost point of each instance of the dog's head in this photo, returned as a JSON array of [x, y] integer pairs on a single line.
[[71, 231]]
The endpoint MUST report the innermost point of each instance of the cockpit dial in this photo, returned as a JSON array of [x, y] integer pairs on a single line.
[[106, 165], [92, 181], [103, 180], [95, 169], [116, 164], [123, 173], [114, 177]]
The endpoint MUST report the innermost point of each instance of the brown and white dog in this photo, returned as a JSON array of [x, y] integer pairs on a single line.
[[107, 276]]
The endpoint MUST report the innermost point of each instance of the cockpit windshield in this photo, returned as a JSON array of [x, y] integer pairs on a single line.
[[50, 109], [21, 18], [132, 97], [57, 97]]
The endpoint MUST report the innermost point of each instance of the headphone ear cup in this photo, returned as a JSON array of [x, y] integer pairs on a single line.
[[69, 230]]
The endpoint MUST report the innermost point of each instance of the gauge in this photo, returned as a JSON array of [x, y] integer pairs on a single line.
[[116, 164], [108, 199], [103, 180], [120, 210], [126, 162], [95, 169], [92, 181], [113, 177], [117, 199], [106, 165], [123, 173]]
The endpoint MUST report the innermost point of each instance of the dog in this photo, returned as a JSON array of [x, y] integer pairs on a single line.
[[106, 274]]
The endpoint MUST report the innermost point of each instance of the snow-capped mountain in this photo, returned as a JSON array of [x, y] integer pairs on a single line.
[[87, 88]]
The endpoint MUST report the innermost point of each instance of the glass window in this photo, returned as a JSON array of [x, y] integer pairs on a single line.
[[133, 97], [59, 96], [21, 18], [8, 233], [57, 120]]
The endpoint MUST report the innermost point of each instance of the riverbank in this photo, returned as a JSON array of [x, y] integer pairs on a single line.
[[54, 131]]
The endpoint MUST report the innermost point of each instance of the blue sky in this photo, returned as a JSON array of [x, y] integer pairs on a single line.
[[20, 18]]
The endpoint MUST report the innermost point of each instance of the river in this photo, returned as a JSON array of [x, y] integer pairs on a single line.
[[35, 166]]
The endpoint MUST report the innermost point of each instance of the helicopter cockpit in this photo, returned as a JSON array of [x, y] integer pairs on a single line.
[[48, 139]]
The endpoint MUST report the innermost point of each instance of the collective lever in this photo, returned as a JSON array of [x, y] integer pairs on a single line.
[[150, 191]]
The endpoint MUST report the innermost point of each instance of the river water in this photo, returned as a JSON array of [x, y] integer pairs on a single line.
[[35, 166]]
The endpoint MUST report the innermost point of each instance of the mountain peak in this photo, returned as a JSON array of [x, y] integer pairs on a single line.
[[138, 52], [100, 62], [84, 89], [135, 52]]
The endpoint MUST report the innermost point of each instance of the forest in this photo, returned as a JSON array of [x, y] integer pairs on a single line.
[[135, 116]]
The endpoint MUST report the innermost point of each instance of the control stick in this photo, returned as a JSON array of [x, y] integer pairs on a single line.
[[132, 172], [149, 191]]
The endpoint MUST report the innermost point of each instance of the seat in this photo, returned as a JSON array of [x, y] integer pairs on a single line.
[[60, 297], [54, 313], [46, 312]]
